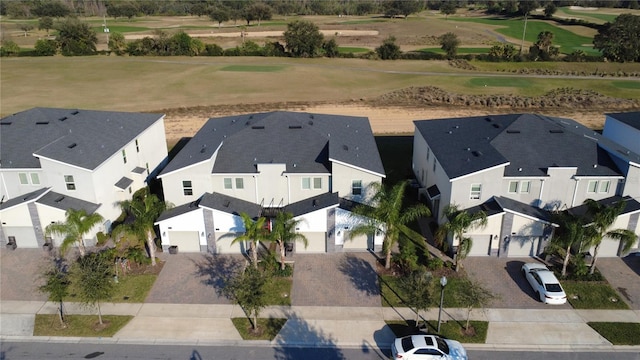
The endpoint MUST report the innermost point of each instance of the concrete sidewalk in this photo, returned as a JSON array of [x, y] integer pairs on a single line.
[[558, 329]]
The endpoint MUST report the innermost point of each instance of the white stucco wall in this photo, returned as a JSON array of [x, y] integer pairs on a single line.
[[342, 179], [191, 221], [622, 133]]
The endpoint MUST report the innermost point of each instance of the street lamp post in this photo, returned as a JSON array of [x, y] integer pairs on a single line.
[[443, 283]]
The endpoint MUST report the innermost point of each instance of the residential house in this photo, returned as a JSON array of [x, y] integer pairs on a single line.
[[624, 128], [56, 159], [519, 169], [315, 166]]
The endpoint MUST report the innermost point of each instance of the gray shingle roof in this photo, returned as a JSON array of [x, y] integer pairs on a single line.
[[83, 138], [230, 205], [65, 202], [304, 142], [630, 118], [32, 196], [529, 143], [631, 205], [178, 210], [312, 204], [524, 209], [123, 183]]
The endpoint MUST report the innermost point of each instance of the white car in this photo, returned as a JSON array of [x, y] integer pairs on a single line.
[[427, 347], [544, 284]]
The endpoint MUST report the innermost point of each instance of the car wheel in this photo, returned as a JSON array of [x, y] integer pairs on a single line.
[[524, 273], [538, 296]]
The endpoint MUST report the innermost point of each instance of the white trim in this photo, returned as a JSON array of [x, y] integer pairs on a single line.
[[184, 168], [357, 168], [65, 164], [602, 177], [481, 171], [28, 201]]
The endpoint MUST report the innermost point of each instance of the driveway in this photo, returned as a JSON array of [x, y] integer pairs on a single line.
[[503, 277], [21, 274], [624, 276]]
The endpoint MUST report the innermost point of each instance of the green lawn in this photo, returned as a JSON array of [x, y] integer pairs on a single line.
[[355, 50], [618, 333], [129, 289], [635, 85], [121, 28], [501, 82], [449, 329], [567, 40], [279, 291], [392, 296], [592, 295], [586, 15], [253, 68], [79, 325], [267, 328]]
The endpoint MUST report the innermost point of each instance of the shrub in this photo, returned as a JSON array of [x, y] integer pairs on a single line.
[[213, 50]]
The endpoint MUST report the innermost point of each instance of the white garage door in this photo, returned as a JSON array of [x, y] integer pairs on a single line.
[[608, 248], [480, 245], [317, 243], [187, 241], [224, 246], [360, 242], [523, 246], [25, 236]]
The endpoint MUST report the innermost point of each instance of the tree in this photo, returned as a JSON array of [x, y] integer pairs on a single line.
[[94, 276], [76, 38], [45, 23], [303, 39], [472, 294], [257, 11], [550, 9], [459, 222], [388, 215], [76, 225], [117, 43], [330, 48], [389, 50], [602, 218], [417, 288], [283, 233], [449, 43], [247, 289], [219, 15], [9, 48], [524, 8], [571, 231], [448, 8], [502, 51], [145, 208], [54, 9], [620, 41], [25, 27], [254, 231], [403, 7], [46, 47], [543, 48], [57, 286]]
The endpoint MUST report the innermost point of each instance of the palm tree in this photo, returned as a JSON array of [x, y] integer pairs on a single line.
[[76, 225], [603, 217], [254, 231], [284, 232], [460, 221], [570, 232], [145, 208], [388, 215]]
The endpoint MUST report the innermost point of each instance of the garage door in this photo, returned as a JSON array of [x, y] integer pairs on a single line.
[[523, 246], [25, 236], [608, 248], [317, 243], [187, 241], [480, 245], [224, 246], [360, 242]]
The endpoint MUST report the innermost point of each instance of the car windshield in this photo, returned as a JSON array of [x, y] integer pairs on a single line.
[[553, 287], [442, 345], [407, 344]]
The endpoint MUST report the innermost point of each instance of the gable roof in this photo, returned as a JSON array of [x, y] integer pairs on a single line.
[[303, 142], [82, 138], [315, 203], [65, 202], [631, 206], [630, 118], [30, 197], [525, 144], [231, 205]]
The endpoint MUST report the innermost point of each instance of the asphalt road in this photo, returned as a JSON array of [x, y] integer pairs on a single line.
[[55, 351]]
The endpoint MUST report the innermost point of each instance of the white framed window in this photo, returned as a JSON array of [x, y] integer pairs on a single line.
[[435, 162], [124, 156], [476, 191], [24, 180], [317, 183], [228, 183], [604, 186], [35, 179], [306, 183], [525, 186], [137, 146], [592, 187], [513, 187], [239, 183], [69, 181], [356, 187], [187, 188], [147, 166], [428, 153]]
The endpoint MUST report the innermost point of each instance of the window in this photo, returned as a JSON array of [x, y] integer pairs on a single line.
[[604, 186], [525, 186], [228, 183], [593, 186], [513, 186], [71, 184], [317, 183], [434, 164], [35, 179], [147, 166], [476, 189], [137, 146], [356, 187], [428, 153], [187, 188], [239, 183], [306, 183], [24, 180], [124, 156]]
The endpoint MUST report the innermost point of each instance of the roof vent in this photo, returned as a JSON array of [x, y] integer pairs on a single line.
[[315, 202], [59, 199], [488, 119], [497, 126], [311, 116], [203, 149], [75, 112], [345, 148], [476, 153], [258, 127], [519, 169], [556, 131], [226, 203], [513, 131], [72, 145], [250, 116], [310, 122], [5, 123], [457, 127], [595, 166], [42, 122], [63, 118], [295, 126]]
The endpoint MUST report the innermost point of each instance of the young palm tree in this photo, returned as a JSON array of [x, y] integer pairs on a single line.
[[76, 225], [283, 232], [253, 233], [388, 215], [603, 217], [570, 232], [145, 208], [460, 221]]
